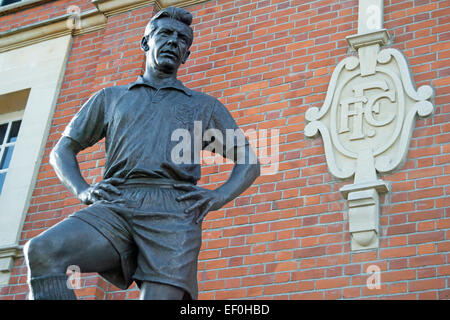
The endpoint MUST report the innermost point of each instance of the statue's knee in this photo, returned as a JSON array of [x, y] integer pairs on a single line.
[[39, 254]]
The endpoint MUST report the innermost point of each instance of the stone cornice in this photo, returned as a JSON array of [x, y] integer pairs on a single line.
[[22, 5], [49, 29], [7, 256], [380, 37], [13, 251]]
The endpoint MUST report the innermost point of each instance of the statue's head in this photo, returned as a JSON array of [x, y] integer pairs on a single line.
[[167, 39]]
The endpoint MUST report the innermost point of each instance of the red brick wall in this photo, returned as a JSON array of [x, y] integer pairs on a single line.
[[287, 236]]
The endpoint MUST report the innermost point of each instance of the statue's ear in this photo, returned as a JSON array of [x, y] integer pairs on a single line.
[[186, 56], [144, 44]]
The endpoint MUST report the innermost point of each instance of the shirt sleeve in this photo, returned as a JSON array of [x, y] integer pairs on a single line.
[[225, 132], [88, 125]]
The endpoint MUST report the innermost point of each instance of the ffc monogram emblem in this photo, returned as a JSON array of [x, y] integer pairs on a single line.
[[375, 112], [366, 106]]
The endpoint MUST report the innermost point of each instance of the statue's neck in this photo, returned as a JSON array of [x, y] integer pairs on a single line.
[[159, 78]]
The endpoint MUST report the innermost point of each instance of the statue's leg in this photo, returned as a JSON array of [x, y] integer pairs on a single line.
[[160, 291], [70, 242]]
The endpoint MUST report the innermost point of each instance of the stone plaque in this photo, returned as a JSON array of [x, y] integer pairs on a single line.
[[366, 123]]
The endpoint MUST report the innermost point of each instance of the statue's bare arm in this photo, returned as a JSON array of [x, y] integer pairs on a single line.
[[64, 161]]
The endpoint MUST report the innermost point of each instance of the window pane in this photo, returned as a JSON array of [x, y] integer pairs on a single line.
[[14, 131], [6, 2], [2, 180], [6, 159], [3, 128]]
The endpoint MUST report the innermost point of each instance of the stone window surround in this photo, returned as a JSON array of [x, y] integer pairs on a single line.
[[40, 69]]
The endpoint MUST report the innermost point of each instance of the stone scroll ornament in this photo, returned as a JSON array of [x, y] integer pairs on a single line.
[[366, 123]]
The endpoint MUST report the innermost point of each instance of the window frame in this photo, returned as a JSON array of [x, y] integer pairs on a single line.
[[8, 118]]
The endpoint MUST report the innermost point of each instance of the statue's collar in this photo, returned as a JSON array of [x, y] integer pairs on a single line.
[[177, 84]]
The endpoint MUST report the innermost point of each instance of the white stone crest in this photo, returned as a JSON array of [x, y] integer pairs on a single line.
[[366, 123]]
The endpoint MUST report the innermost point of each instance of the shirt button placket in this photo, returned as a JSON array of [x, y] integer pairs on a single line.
[[156, 98]]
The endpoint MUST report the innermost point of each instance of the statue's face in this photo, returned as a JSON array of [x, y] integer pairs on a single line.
[[168, 45]]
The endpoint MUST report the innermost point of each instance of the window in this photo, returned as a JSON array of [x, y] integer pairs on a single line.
[[9, 131], [6, 2]]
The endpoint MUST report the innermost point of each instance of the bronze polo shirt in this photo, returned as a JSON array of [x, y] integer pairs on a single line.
[[137, 122]]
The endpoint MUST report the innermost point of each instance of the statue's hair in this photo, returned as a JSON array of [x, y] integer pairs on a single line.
[[179, 14], [175, 13]]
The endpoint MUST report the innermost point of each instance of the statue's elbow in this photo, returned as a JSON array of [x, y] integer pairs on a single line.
[[53, 156], [62, 149]]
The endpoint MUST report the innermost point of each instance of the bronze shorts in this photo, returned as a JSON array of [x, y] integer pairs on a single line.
[[155, 239]]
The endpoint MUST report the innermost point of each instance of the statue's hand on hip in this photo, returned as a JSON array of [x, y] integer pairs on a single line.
[[206, 200], [103, 190]]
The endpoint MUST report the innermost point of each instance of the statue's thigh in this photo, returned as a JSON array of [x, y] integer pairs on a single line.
[[75, 242]]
